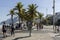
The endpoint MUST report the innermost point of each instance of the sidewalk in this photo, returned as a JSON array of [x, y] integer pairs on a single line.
[[44, 34]]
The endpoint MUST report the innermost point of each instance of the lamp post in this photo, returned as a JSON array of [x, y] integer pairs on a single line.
[[53, 14]]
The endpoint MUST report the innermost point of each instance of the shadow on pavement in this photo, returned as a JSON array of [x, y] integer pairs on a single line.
[[21, 37]]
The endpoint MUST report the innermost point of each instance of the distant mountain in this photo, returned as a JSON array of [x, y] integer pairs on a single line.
[[15, 19]]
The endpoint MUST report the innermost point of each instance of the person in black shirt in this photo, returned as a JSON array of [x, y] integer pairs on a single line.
[[12, 31], [4, 29]]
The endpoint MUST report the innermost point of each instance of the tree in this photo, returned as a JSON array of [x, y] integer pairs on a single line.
[[19, 8], [32, 13], [32, 10], [40, 15], [23, 14], [11, 13], [49, 19]]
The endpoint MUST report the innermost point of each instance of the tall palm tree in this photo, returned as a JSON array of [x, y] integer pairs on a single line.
[[32, 10], [11, 13], [23, 14], [32, 13], [19, 8]]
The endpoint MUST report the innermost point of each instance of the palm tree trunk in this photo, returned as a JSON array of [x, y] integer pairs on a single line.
[[30, 32], [30, 28], [12, 19], [19, 21], [37, 26], [40, 24]]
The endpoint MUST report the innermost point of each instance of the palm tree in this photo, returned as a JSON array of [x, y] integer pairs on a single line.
[[11, 13], [32, 13], [32, 10], [19, 8], [40, 17], [23, 15]]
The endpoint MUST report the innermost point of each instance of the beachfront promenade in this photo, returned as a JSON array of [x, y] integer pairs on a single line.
[[44, 34]]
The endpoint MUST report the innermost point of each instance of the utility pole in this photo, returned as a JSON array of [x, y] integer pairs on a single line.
[[53, 14]]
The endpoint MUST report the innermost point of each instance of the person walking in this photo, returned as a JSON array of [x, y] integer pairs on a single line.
[[12, 31], [37, 26], [4, 29]]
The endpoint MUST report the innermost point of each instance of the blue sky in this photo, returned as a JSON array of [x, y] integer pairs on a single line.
[[6, 5]]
